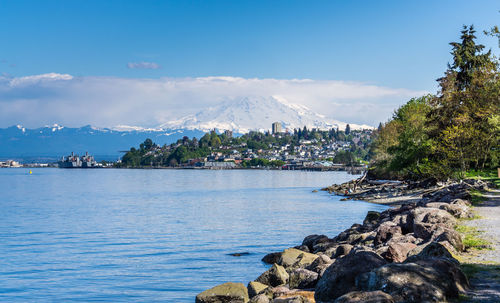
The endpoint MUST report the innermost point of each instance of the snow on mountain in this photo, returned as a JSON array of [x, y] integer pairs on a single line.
[[256, 113]]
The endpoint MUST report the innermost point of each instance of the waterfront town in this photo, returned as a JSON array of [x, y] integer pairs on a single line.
[[298, 149], [310, 149]]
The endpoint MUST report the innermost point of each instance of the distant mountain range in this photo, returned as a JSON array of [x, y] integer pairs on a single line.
[[52, 142], [240, 116]]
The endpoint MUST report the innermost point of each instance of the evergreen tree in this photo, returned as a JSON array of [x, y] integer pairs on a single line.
[[467, 57]]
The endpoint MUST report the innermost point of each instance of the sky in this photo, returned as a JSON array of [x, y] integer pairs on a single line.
[[146, 62]]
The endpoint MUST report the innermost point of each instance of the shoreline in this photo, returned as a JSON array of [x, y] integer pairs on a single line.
[[414, 241]]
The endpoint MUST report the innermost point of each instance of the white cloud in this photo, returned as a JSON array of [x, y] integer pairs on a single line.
[[143, 65], [30, 80], [108, 101]]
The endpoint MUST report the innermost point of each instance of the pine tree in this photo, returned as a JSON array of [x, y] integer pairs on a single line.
[[467, 57], [347, 129]]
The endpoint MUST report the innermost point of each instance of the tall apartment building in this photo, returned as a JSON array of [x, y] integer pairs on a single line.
[[276, 129]]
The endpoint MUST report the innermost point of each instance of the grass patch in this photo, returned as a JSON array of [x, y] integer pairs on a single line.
[[490, 175], [471, 239]]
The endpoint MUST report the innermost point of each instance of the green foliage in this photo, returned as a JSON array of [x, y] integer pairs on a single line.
[[447, 134], [344, 157], [490, 175], [403, 145]]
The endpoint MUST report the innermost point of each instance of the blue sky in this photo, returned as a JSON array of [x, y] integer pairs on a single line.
[[393, 44]]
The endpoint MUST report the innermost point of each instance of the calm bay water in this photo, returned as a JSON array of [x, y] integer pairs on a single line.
[[154, 235]]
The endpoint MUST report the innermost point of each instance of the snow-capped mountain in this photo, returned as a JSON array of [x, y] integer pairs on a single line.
[[256, 113]]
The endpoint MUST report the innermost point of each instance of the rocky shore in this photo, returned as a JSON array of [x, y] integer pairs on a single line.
[[403, 254]]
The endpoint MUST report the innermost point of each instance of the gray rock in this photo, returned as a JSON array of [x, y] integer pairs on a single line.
[[302, 278], [274, 292], [324, 246], [339, 278], [274, 276], [262, 298], [294, 257], [386, 231], [453, 237], [255, 288], [430, 250], [397, 252], [312, 240], [365, 297], [427, 231], [432, 280], [457, 209], [224, 293], [272, 258], [342, 250], [404, 221], [372, 217], [320, 264], [304, 248], [408, 238], [433, 216]]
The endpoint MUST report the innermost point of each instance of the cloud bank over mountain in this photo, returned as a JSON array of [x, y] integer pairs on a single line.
[[109, 101]]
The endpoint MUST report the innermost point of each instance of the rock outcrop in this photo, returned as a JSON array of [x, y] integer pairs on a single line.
[[403, 254]]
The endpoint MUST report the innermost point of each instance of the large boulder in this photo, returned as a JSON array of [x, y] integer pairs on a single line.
[[408, 238], [452, 237], [397, 252], [272, 258], [431, 280], [224, 293], [312, 240], [428, 231], [430, 250], [433, 216], [322, 247], [342, 250], [302, 278], [372, 217], [365, 297], [457, 208], [386, 231], [339, 278], [274, 276], [320, 264], [294, 257], [255, 288]]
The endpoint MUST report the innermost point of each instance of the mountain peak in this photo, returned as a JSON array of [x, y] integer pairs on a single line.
[[255, 113]]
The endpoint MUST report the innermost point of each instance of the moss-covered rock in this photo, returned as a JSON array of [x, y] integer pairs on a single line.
[[294, 257], [225, 293], [274, 276], [255, 288]]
